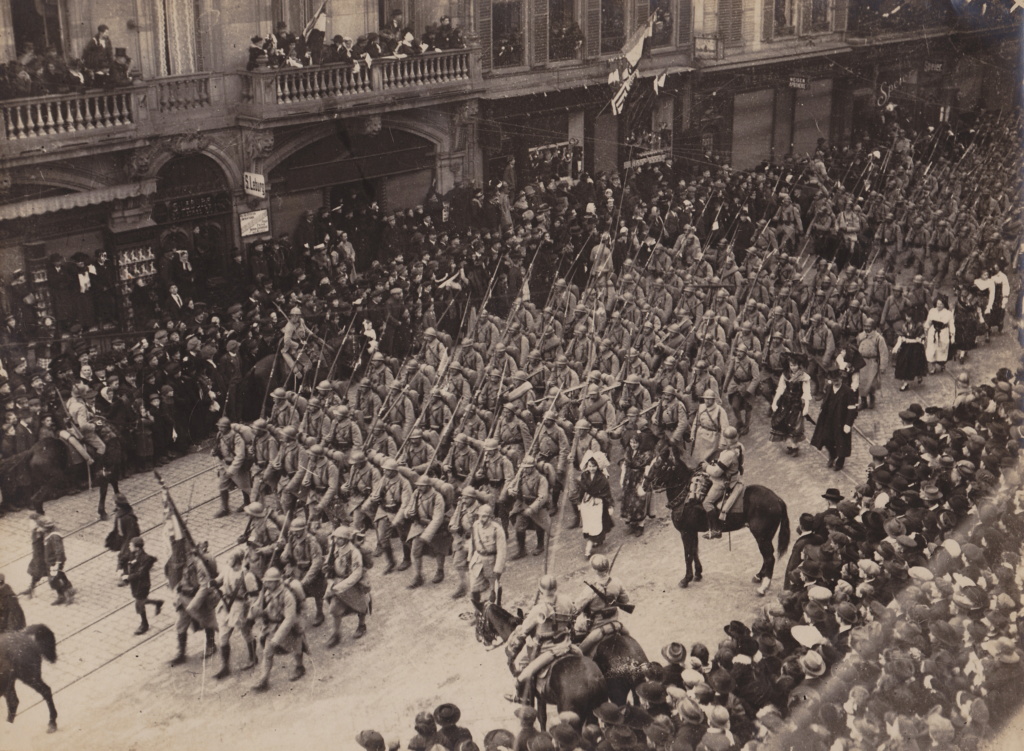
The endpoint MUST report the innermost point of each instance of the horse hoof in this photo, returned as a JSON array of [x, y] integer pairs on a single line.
[[684, 583], [51, 728], [756, 579], [698, 577]]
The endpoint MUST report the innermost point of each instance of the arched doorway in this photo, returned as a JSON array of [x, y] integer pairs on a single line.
[[192, 210]]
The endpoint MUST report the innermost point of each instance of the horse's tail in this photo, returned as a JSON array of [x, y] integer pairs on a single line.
[[784, 529], [45, 640]]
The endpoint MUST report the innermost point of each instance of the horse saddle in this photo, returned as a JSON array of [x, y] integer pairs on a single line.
[[561, 651]]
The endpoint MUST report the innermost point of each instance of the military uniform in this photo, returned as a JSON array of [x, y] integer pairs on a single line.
[[277, 613]]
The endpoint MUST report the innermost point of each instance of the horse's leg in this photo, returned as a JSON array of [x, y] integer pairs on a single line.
[[12, 701], [698, 569], [40, 686], [688, 557], [764, 544]]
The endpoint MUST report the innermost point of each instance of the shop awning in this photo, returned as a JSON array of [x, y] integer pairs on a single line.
[[48, 205]]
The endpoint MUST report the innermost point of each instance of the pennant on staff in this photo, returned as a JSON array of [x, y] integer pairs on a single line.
[[626, 71], [316, 29]]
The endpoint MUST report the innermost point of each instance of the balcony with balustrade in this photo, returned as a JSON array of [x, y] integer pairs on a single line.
[[276, 94], [104, 117]]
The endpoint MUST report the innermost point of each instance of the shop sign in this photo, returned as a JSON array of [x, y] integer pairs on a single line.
[[254, 185], [798, 81], [932, 67], [656, 157], [254, 222], [705, 47], [195, 207]]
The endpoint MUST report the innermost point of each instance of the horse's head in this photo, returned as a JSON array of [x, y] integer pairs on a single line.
[[668, 471], [494, 623]]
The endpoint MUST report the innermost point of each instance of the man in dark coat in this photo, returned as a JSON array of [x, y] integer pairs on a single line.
[[808, 537], [12, 617], [835, 421], [140, 563]]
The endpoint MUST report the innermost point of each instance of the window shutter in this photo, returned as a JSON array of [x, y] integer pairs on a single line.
[[768, 20], [730, 20], [540, 31], [642, 11], [483, 15], [593, 28], [805, 16], [684, 23], [840, 9]]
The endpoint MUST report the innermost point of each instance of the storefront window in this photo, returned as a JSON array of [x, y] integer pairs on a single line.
[[564, 34], [663, 23], [613, 25], [783, 21], [507, 34]]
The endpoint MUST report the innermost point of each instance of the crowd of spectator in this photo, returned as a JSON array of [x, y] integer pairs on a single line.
[[38, 72], [283, 48]]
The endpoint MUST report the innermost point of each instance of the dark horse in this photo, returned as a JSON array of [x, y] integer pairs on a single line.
[[266, 375], [574, 682], [21, 655], [622, 662], [761, 510], [50, 464]]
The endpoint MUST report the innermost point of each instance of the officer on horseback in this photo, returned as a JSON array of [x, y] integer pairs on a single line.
[[598, 607], [723, 471], [542, 637]]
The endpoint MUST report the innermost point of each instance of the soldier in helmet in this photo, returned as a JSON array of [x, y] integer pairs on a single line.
[[487, 555], [304, 561], [235, 459], [391, 494], [276, 613], [531, 505], [512, 434], [260, 536], [723, 469], [283, 412], [240, 589], [460, 461], [539, 639], [345, 433], [358, 486], [285, 463], [493, 474], [428, 531], [709, 422], [347, 590], [264, 451], [598, 605], [742, 381]]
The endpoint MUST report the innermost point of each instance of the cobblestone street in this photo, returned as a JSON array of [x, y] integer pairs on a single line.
[[115, 688]]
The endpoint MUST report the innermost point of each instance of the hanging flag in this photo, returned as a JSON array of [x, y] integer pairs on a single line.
[[316, 30], [626, 71], [659, 81]]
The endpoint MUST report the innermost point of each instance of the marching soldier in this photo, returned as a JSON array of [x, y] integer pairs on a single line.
[[875, 352], [670, 422], [428, 531], [283, 412], [363, 478], [240, 590], [709, 422], [460, 525], [487, 555], [261, 536], [743, 380], [235, 459], [304, 557], [821, 350], [390, 495], [531, 505], [345, 433], [494, 473], [347, 591], [277, 613], [196, 602]]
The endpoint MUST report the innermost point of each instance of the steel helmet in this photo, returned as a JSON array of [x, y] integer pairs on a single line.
[[390, 464], [600, 563], [343, 533], [316, 449], [491, 444], [730, 433], [223, 422], [528, 461], [314, 401], [278, 393], [709, 394], [548, 583], [356, 457], [259, 425], [727, 457], [272, 574], [582, 424], [290, 432], [422, 481]]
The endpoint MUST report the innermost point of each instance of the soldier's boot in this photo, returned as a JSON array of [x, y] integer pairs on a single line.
[[714, 526], [460, 591], [361, 628], [406, 563], [225, 662], [520, 546], [250, 648], [179, 659], [225, 509], [299, 670], [211, 643], [245, 502], [390, 555], [268, 662], [539, 550], [318, 617], [477, 601], [439, 574], [417, 566], [335, 637]]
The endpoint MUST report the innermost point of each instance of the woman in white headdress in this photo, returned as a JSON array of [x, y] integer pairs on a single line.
[[593, 497]]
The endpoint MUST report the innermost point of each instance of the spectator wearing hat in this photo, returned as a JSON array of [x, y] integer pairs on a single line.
[[527, 717], [449, 733], [807, 541], [137, 576], [53, 549], [126, 528], [835, 420]]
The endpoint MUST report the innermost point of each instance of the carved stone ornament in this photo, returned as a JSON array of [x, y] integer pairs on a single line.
[[141, 160], [188, 143], [371, 125], [257, 144]]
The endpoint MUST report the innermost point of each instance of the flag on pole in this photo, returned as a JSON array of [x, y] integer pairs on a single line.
[[316, 30], [626, 72], [659, 81]]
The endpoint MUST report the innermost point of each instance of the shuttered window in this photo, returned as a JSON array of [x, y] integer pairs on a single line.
[[684, 23], [664, 23], [483, 18], [613, 25], [564, 35], [730, 21], [507, 33], [592, 32]]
